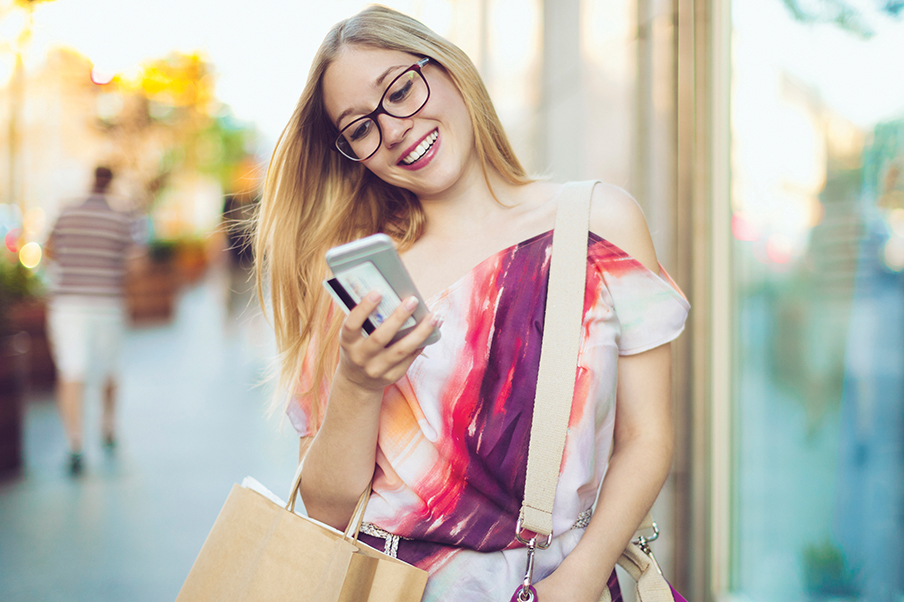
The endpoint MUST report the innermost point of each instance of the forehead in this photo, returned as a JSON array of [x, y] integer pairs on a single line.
[[351, 80]]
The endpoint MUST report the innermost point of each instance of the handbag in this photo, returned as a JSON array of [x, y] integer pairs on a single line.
[[552, 403], [260, 551]]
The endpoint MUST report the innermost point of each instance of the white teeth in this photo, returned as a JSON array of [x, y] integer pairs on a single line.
[[422, 148]]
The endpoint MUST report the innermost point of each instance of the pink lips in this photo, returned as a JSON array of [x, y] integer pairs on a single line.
[[423, 161]]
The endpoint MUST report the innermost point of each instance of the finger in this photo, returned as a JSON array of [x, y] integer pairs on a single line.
[[413, 342], [399, 369], [387, 330], [354, 322], [407, 349]]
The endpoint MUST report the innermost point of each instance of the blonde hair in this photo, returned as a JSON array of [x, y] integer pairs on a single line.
[[315, 199]]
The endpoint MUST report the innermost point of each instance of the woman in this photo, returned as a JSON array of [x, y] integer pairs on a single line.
[[395, 133]]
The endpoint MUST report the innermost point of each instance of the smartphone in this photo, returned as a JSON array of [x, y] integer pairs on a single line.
[[372, 264]]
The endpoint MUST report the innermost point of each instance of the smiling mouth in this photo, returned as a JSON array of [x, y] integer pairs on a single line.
[[422, 148]]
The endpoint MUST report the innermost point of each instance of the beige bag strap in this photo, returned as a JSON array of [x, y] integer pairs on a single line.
[[558, 357], [642, 567], [555, 392]]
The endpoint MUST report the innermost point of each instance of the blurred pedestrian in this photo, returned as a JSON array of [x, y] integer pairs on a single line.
[[86, 317]]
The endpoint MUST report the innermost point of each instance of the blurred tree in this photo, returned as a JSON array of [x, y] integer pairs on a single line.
[[161, 120], [841, 13]]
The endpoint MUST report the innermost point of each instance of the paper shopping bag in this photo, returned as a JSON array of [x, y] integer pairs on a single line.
[[259, 551]]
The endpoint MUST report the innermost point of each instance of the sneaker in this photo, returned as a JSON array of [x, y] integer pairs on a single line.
[[109, 443], [75, 463]]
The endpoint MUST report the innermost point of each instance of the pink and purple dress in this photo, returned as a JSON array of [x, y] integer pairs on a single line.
[[454, 432]]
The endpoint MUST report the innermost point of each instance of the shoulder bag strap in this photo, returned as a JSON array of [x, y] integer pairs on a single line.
[[555, 393], [558, 357]]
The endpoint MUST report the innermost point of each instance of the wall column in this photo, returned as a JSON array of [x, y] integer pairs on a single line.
[[562, 112]]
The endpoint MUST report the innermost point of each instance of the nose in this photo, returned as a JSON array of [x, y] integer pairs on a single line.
[[394, 129]]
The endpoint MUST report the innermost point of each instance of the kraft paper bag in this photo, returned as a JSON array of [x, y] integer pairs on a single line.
[[259, 551]]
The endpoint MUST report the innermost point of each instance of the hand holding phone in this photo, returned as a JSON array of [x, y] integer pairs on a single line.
[[372, 264]]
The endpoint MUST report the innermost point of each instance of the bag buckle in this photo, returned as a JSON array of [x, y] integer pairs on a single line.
[[526, 592], [519, 529]]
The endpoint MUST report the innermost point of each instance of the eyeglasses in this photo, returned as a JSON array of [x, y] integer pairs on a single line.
[[406, 95]]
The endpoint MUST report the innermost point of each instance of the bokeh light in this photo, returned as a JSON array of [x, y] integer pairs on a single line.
[[743, 228], [12, 240], [779, 248], [101, 76], [30, 255], [893, 254], [896, 221]]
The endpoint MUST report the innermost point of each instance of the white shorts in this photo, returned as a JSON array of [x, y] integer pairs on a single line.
[[86, 335]]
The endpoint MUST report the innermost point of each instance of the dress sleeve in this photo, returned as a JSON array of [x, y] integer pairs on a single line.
[[304, 409], [650, 308]]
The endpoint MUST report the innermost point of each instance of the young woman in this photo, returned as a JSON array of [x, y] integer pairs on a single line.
[[395, 133]]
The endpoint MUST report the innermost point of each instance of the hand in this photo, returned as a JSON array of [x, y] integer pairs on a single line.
[[367, 361]]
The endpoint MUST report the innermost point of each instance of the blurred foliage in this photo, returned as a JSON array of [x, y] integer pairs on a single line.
[[16, 37], [29, 3], [842, 14], [164, 250], [826, 571], [164, 119], [17, 283], [161, 251], [223, 149]]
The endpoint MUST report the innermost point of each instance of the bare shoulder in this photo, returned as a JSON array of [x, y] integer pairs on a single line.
[[616, 217]]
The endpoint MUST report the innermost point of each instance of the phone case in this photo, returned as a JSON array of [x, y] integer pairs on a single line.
[[368, 264]]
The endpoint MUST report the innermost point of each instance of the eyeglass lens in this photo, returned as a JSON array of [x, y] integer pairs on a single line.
[[404, 97]]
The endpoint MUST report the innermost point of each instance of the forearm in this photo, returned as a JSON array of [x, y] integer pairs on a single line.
[[340, 460], [636, 473]]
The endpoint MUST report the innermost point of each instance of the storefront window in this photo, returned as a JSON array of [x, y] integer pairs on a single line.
[[818, 254]]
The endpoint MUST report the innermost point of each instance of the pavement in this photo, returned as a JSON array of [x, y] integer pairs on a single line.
[[193, 420]]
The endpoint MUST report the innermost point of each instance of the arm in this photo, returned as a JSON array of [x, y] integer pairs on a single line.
[[637, 470], [643, 438], [340, 459], [49, 248]]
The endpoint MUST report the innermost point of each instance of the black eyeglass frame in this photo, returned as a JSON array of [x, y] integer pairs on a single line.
[[381, 110]]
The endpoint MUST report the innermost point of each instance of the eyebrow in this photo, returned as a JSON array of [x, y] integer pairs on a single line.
[[377, 83]]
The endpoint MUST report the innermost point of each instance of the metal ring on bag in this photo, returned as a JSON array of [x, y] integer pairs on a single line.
[[643, 541], [519, 529]]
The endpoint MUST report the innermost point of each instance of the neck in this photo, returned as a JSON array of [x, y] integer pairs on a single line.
[[462, 213]]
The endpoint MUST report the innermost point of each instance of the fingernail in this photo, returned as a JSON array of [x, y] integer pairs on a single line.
[[374, 297], [410, 303], [435, 321]]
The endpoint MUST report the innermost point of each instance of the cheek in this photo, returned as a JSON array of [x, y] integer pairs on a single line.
[[377, 165]]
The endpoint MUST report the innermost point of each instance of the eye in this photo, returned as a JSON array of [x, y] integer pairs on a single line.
[[361, 130], [399, 94]]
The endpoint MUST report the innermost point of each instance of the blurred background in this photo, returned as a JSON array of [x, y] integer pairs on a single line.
[[763, 138]]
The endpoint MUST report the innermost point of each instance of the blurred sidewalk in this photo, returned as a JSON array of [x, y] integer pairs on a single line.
[[192, 421]]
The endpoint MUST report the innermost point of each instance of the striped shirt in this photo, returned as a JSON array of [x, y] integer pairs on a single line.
[[89, 243]]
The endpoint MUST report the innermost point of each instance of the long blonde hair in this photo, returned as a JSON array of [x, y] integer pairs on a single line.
[[315, 199]]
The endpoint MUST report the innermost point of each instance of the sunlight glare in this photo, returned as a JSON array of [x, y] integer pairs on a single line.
[[30, 255]]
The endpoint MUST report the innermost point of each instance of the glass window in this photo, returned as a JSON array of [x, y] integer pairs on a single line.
[[818, 224]]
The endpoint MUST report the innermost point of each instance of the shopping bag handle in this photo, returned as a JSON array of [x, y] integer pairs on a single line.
[[354, 523]]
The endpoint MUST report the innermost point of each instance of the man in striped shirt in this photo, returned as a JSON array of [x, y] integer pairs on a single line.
[[86, 317]]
